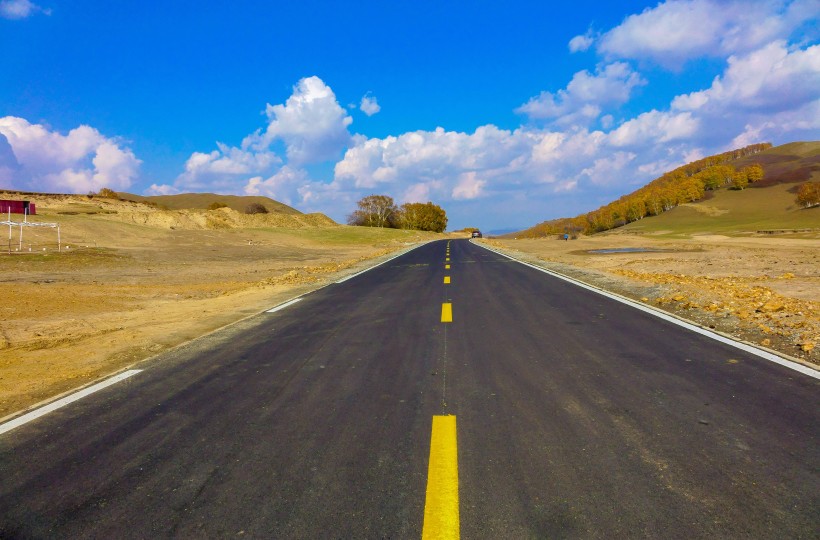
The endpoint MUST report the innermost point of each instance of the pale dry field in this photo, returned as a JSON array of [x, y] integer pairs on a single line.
[[136, 282], [761, 289]]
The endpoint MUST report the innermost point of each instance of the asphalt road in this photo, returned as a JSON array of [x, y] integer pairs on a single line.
[[577, 417]]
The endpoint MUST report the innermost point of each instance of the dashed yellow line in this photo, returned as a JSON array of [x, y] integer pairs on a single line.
[[441, 518], [446, 280], [446, 312], [446, 266]]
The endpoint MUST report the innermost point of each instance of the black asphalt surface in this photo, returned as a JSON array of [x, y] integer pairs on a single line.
[[577, 417]]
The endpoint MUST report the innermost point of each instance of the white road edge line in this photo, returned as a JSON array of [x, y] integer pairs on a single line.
[[54, 405], [805, 370], [283, 305]]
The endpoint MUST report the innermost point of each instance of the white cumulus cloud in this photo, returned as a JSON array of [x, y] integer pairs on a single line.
[[369, 105], [20, 9], [161, 189], [679, 30], [80, 161], [456, 167], [581, 42], [219, 168], [764, 95], [770, 79], [312, 124], [286, 185], [468, 186], [313, 128], [654, 126], [585, 96]]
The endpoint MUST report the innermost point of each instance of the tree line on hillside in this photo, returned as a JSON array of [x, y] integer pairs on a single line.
[[381, 211], [685, 184]]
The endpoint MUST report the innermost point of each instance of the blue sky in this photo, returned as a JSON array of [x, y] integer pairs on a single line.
[[505, 114]]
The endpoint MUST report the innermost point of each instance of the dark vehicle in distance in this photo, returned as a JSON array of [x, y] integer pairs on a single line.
[[476, 234]]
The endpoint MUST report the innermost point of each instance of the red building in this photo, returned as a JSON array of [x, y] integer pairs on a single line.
[[17, 207]]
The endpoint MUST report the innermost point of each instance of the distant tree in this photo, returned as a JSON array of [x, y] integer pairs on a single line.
[[256, 208], [740, 180], [711, 178], [375, 211], [754, 172], [217, 205], [108, 193], [808, 194], [690, 190], [422, 217]]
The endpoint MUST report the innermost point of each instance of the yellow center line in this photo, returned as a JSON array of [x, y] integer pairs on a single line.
[[447, 312], [446, 280], [441, 505], [447, 259], [446, 266]]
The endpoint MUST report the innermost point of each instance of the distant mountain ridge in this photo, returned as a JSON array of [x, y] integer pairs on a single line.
[[189, 201]]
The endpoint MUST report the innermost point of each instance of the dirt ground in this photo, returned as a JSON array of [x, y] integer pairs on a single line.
[[763, 290], [132, 282]]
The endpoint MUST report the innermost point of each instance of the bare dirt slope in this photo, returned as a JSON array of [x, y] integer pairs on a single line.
[[202, 201], [133, 281]]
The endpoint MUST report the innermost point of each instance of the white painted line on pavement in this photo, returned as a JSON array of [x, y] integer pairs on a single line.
[[805, 370], [283, 305], [54, 405]]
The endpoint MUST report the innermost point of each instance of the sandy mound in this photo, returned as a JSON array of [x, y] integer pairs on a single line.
[[223, 218]]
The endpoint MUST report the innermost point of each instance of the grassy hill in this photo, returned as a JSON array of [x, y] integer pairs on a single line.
[[733, 212], [186, 201], [765, 205]]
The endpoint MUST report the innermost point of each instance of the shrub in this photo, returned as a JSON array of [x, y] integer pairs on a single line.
[[108, 193], [255, 208], [217, 205]]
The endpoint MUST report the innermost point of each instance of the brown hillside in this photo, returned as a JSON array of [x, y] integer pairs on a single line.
[[73, 211], [201, 201], [786, 164]]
